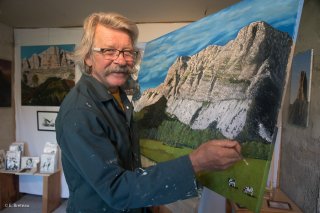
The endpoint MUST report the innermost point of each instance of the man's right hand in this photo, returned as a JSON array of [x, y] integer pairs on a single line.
[[215, 155]]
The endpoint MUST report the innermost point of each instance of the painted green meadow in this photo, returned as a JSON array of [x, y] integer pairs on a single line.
[[245, 175]]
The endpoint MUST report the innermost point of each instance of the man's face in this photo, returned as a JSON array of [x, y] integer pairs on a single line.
[[112, 73]]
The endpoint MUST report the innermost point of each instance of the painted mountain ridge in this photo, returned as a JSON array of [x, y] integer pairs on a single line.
[[53, 57], [53, 62], [232, 88]]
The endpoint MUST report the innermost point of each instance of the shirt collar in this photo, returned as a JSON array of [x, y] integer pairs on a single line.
[[101, 91]]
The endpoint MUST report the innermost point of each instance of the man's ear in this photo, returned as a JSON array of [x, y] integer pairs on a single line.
[[88, 61]]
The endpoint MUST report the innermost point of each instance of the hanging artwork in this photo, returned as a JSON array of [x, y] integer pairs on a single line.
[[46, 120], [300, 88], [47, 74], [220, 77], [5, 83]]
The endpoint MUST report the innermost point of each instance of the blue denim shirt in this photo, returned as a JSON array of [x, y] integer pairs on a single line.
[[101, 157]]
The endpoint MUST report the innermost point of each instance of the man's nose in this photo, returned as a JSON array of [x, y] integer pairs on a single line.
[[120, 59]]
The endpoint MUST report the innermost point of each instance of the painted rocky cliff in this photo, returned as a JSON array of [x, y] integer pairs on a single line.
[[46, 77], [232, 88], [52, 62]]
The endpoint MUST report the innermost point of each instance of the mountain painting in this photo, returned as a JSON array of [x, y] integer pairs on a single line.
[[220, 77], [300, 89], [47, 74]]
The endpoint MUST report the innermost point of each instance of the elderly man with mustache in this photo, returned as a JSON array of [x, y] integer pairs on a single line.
[[98, 140]]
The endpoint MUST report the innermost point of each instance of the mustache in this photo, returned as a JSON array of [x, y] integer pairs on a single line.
[[119, 69]]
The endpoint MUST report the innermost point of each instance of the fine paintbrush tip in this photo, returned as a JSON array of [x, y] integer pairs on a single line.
[[243, 159]]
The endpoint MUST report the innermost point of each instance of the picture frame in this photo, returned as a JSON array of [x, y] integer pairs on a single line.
[[29, 162], [13, 159], [300, 89], [47, 163], [46, 120], [50, 148], [279, 205], [17, 146]]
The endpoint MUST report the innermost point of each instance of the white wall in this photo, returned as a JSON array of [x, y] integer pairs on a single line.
[[300, 149], [26, 116]]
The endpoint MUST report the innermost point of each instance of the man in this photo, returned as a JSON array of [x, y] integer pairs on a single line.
[[100, 150]]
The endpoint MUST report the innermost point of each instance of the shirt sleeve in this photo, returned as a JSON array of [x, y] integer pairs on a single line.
[[94, 156]]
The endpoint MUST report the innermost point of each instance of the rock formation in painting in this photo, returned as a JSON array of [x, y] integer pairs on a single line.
[[231, 88], [47, 77], [298, 111], [53, 57], [52, 62]]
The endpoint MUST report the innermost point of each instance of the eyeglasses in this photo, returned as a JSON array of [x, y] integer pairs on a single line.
[[113, 54]]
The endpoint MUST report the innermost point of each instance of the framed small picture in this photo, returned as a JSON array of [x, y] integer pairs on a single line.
[[29, 162], [279, 205], [17, 146], [47, 163], [50, 148], [13, 160], [46, 120]]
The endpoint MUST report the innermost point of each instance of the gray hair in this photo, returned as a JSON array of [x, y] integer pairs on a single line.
[[110, 20]]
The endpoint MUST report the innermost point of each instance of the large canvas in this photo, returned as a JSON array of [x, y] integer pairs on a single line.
[[220, 77], [47, 74], [300, 89]]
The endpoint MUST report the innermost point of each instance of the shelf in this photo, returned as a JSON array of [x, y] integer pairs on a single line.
[[51, 192]]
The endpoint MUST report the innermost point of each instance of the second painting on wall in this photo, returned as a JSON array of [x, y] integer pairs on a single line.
[[300, 88], [47, 74]]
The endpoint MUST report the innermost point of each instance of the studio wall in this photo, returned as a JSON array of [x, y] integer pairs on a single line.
[[26, 116], [300, 147]]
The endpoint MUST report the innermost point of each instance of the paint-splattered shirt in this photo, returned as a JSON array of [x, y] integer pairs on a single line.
[[101, 156]]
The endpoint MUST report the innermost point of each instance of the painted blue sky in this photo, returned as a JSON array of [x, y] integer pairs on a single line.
[[28, 51], [301, 62], [216, 29]]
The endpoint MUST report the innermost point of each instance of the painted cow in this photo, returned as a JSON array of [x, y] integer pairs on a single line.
[[248, 190], [232, 182]]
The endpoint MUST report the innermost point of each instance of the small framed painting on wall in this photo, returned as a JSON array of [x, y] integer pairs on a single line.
[[46, 120]]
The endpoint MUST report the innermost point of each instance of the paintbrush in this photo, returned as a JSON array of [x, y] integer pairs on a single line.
[[242, 158]]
